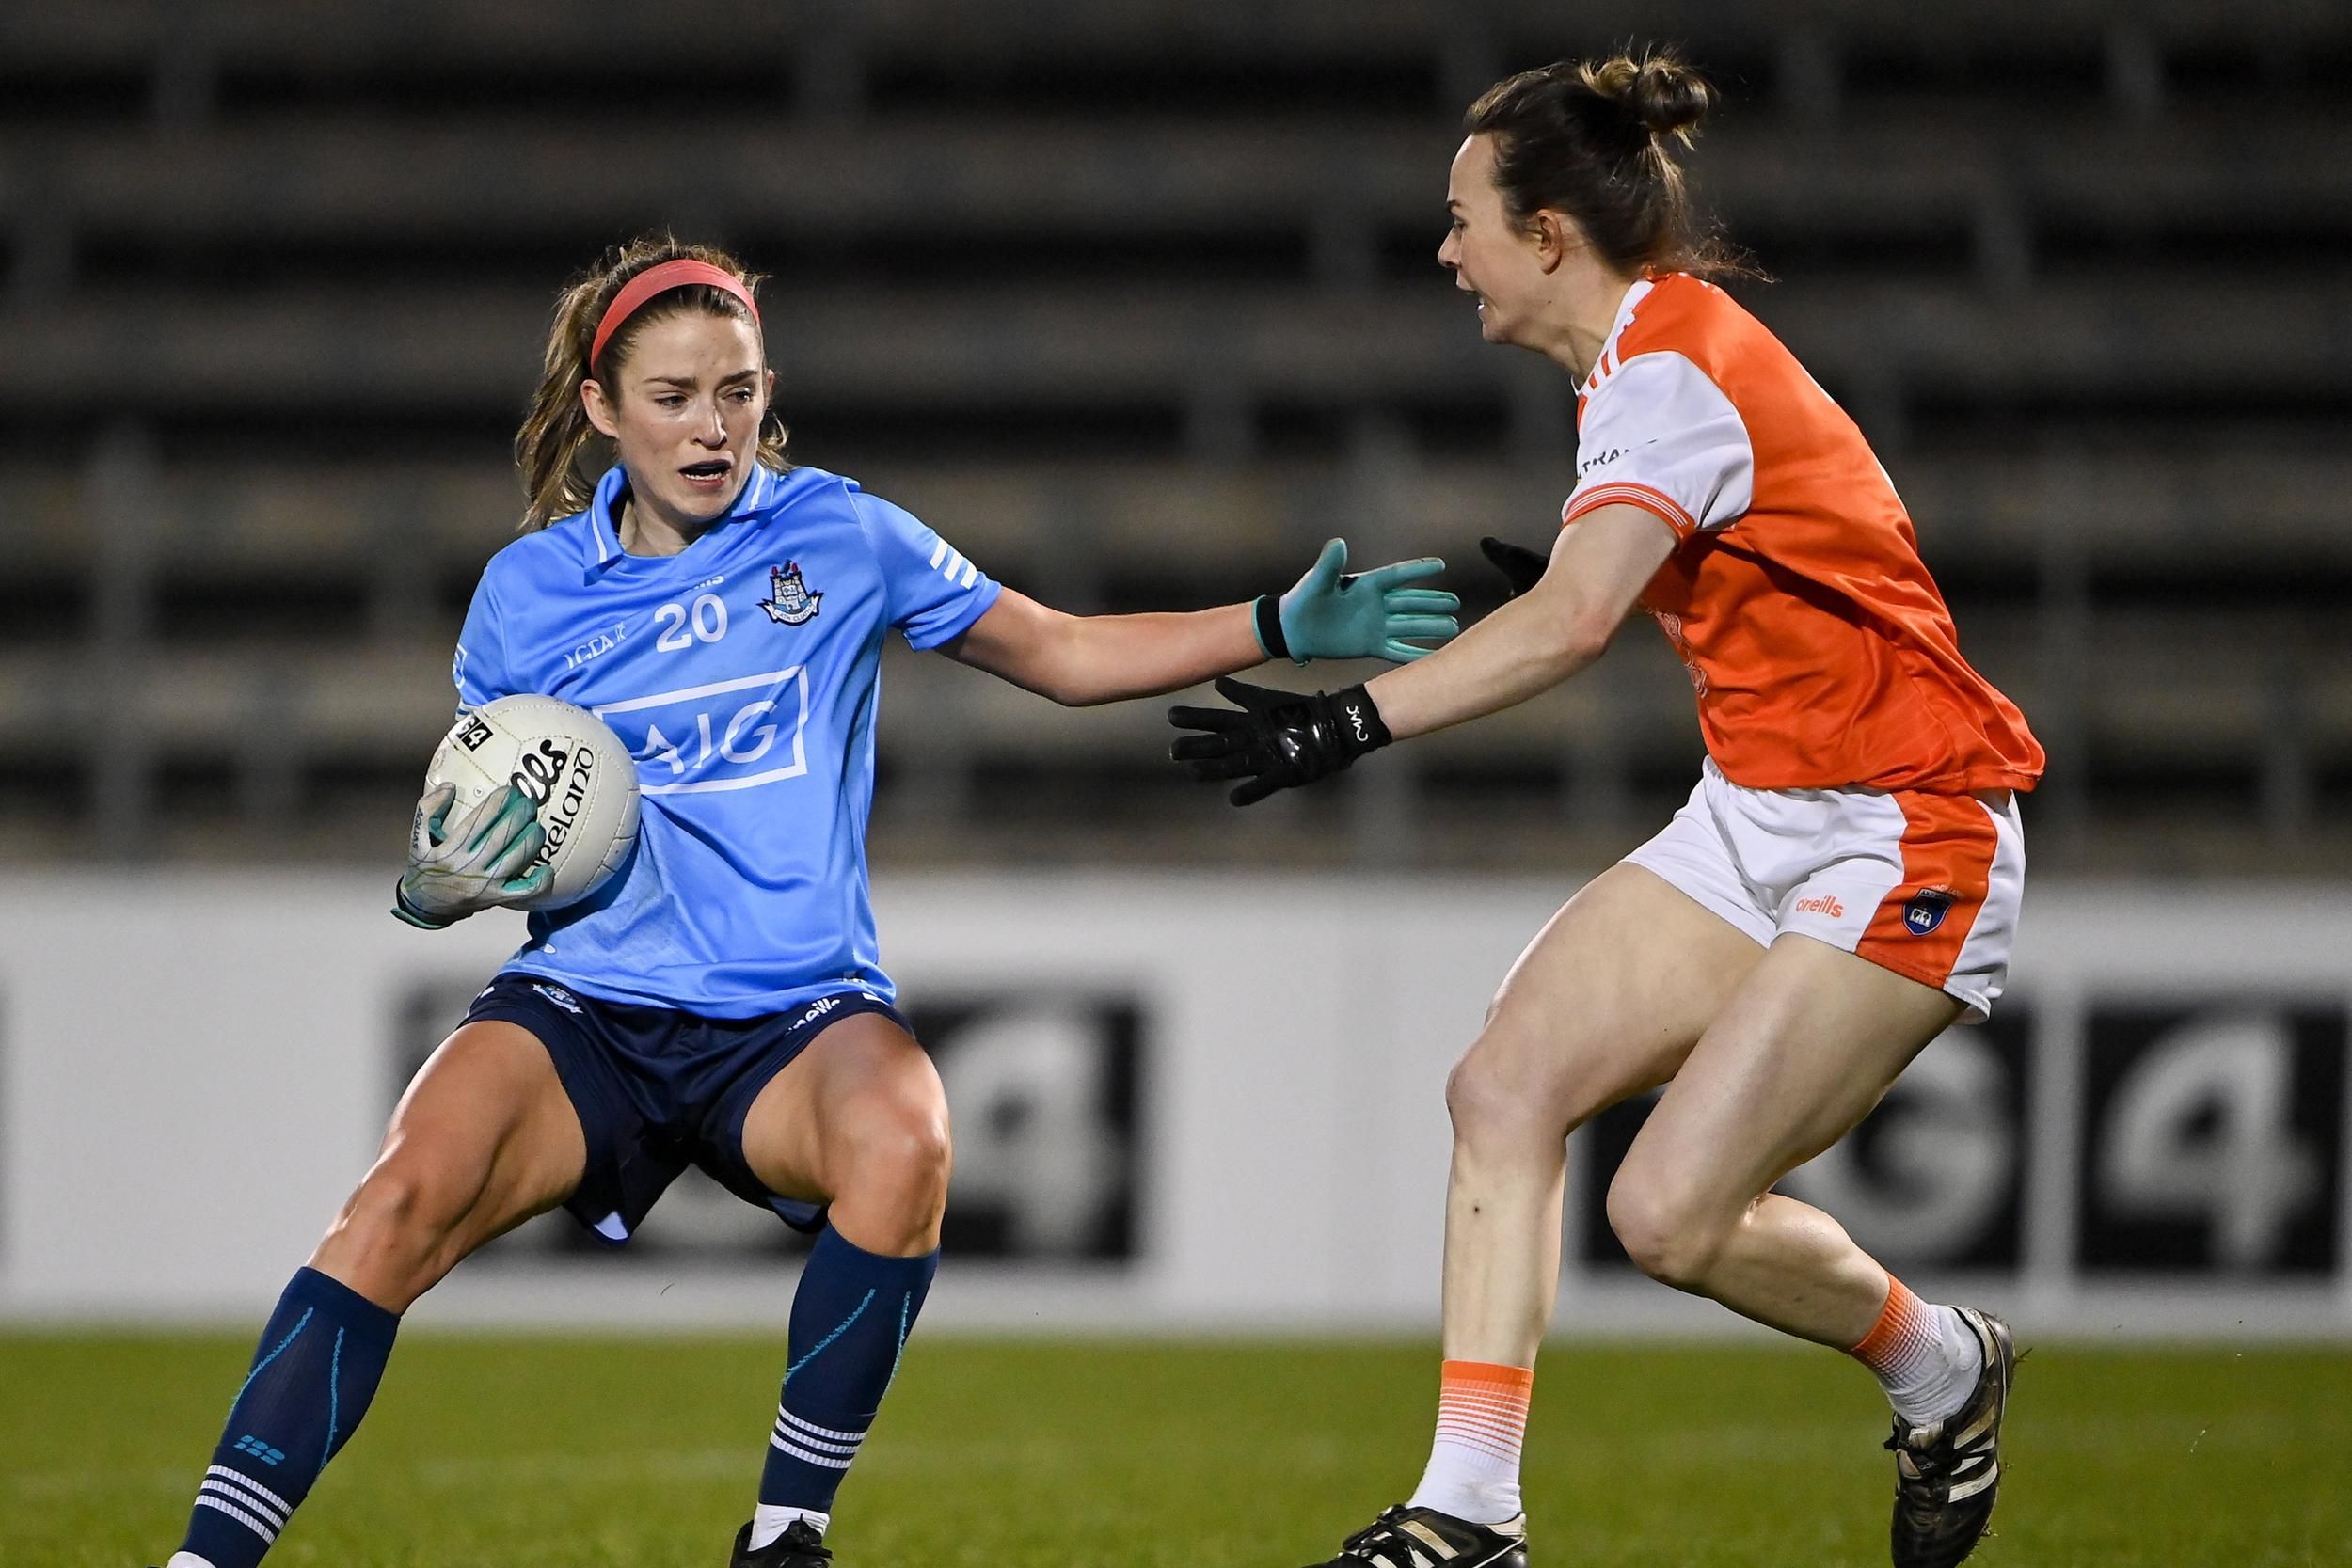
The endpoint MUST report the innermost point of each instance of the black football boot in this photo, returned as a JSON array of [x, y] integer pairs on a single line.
[[798, 1547], [1947, 1472], [1423, 1538]]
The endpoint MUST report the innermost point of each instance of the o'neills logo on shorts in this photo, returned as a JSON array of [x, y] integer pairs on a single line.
[[1825, 904]]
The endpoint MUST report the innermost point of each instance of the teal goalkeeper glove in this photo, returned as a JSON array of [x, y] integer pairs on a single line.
[[1333, 614], [463, 867]]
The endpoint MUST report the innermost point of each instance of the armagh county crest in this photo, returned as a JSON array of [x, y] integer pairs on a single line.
[[789, 602], [1927, 909]]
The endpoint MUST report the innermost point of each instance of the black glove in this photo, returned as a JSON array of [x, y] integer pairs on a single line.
[[1524, 567], [1278, 739]]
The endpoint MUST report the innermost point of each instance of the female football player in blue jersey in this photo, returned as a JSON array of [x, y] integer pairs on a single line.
[[721, 1002]]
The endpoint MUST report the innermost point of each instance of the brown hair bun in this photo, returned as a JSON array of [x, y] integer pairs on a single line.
[[1662, 94], [1596, 139]]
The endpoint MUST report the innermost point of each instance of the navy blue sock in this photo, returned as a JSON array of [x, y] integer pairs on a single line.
[[850, 1323], [313, 1374]]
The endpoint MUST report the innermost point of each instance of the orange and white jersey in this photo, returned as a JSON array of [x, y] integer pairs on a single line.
[[1821, 650]]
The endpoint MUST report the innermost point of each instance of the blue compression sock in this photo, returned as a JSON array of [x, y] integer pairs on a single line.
[[313, 1374], [850, 1323]]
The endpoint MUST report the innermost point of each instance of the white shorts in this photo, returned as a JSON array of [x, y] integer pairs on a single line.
[[1925, 885]]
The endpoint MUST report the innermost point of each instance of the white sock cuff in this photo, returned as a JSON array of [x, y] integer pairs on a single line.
[[769, 1520], [1935, 1383]]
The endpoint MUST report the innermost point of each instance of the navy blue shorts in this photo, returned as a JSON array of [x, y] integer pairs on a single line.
[[657, 1091]]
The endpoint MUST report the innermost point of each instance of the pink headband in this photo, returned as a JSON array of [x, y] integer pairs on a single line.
[[661, 279]]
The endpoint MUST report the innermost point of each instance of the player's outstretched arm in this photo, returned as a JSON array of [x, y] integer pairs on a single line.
[[480, 860], [1543, 634], [1559, 618], [1330, 613]]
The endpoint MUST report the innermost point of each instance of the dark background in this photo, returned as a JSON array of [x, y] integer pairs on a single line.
[[1136, 302]]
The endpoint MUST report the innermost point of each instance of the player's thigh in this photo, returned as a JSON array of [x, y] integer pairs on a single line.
[[863, 1094], [1800, 1052], [484, 1138], [1606, 1002]]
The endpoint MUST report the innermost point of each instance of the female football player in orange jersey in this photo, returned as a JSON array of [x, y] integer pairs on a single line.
[[1842, 885]]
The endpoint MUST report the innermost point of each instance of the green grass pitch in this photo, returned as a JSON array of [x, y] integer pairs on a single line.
[[643, 1453]]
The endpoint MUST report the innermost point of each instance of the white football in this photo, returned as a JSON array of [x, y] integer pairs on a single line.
[[566, 759]]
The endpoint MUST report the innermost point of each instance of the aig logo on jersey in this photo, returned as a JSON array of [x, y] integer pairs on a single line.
[[789, 602], [728, 734]]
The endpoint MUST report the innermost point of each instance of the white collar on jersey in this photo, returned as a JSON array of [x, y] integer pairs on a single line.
[[1607, 361], [603, 511]]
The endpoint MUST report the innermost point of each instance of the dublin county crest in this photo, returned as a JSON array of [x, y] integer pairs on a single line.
[[789, 602]]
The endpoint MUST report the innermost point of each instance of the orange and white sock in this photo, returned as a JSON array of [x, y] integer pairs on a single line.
[[1924, 1356], [1473, 1467]]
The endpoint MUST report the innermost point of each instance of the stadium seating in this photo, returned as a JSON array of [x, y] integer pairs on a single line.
[[1136, 302]]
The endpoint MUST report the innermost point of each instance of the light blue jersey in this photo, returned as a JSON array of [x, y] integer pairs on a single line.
[[741, 674]]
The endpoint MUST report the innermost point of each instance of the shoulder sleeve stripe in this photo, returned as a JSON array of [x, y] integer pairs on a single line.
[[1624, 494]]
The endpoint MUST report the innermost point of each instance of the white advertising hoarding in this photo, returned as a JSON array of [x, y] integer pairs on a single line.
[[1185, 1104]]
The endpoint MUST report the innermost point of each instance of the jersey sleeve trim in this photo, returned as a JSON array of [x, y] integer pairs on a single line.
[[931, 592], [985, 593], [1625, 493], [1660, 433]]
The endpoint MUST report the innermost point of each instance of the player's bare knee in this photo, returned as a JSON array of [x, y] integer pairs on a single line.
[[1478, 1096], [1671, 1238], [401, 1210], [1503, 1092], [898, 1152], [396, 1235], [916, 1156]]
